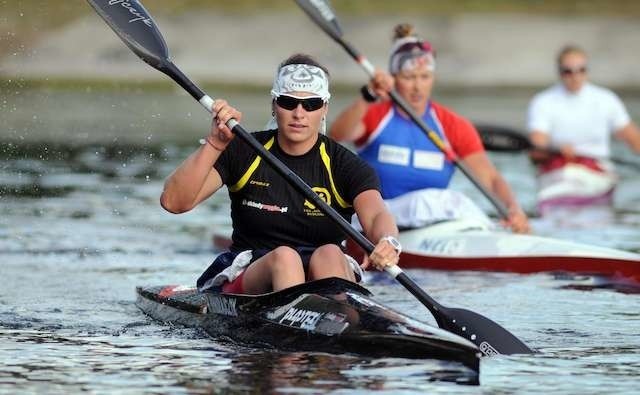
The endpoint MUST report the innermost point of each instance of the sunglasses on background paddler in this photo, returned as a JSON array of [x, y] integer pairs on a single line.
[[566, 71], [291, 102]]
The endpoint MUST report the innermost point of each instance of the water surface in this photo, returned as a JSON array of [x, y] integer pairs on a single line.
[[80, 227]]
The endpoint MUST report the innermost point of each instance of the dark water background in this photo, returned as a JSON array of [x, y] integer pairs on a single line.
[[80, 226]]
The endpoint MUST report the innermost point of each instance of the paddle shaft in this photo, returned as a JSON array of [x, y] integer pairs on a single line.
[[505, 139]]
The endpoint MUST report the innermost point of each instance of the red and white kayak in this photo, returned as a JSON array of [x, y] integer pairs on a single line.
[[581, 182], [470, 245], [463, 245]]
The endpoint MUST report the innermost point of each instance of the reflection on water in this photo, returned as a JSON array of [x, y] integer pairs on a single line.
[[187, 361], [80, 227]]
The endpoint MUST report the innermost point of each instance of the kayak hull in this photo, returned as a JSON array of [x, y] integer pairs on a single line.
[[458, 245], [623, 269], [575, 185], [329, 315], [470, 245]]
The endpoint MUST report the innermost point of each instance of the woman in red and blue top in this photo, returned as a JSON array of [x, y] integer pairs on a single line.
[[404, 157]]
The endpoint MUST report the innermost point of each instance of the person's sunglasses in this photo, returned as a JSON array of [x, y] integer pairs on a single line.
[[291, 103], [570, 71]]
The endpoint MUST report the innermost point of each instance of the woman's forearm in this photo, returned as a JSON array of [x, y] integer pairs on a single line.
[[193, 181]]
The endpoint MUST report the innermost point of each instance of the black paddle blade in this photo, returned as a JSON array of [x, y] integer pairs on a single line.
[[134, 26], [323, 15], [491, 338], [500, 138]]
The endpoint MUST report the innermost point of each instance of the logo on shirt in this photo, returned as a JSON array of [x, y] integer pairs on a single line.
[[266, 207], [428, 160], [394, 155], [310, 209], [259, 183], [401, 156]]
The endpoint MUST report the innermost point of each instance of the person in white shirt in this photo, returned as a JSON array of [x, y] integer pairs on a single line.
[[570, 125], [576, 117]]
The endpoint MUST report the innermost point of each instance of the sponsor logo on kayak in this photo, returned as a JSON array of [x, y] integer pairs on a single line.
[[138, 15], [445, 247], [332, 324], [171, 290], [488, 350], [365, 301], [224, 306], [304, 319]]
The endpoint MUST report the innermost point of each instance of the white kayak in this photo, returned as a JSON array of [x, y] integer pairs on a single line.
[[472, 245], [575, 184]]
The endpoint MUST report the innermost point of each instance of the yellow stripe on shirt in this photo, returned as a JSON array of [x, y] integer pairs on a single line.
[[327, 163], [247, 175]]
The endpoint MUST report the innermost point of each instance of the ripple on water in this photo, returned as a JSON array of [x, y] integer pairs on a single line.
[[70, 263]]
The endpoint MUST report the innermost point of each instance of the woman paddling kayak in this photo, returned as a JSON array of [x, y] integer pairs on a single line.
[[413, 171], [279, 238]]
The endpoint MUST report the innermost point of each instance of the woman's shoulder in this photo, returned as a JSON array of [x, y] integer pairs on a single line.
[[264, 136], [447, 116], [600, 91], [332, 145], [549, 94], [338, 151], [377, 111], [238, 147], [381, 106]]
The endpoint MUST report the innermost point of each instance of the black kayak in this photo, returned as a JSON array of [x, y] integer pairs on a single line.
[[330, 315]]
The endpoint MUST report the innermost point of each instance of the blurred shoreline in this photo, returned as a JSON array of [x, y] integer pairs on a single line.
[[485, 51]]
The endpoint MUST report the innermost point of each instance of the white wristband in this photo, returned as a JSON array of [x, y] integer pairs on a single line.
[[394, 242]]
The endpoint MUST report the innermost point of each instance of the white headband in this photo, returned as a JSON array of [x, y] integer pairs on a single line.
[[301, 78], [410, 59]]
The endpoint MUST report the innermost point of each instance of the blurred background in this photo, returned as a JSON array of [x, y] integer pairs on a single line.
[[88, 133], [489, 53], [73, 97]]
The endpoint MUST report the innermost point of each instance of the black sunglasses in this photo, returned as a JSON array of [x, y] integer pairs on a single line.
[[570, 71], [291, 103]]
